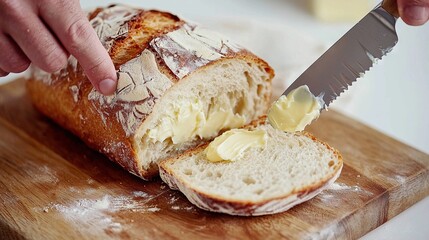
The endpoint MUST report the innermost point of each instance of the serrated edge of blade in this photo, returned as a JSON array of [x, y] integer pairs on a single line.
[[361, 75]]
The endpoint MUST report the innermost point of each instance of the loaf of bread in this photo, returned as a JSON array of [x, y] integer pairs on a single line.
[[292, 168], [179, 85]]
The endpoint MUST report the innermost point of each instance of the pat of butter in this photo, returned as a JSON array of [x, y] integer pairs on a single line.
[[231, 145], [340, 10], [293, 112], [187, 120]]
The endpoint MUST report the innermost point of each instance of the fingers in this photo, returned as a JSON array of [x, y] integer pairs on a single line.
[[414, 12], [35, 39], [12, 59], [44, 32], [72, 27]]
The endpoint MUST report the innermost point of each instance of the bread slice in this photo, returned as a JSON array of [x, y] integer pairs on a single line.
[[179, 85], [291, 169]]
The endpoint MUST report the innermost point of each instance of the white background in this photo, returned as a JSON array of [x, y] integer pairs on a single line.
[[391, 98]]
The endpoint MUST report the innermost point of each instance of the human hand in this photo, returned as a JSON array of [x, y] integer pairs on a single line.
[[414, 12], [45, 32]]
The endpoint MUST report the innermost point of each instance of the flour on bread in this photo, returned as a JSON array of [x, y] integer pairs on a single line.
[[74, 90], [52, 78], [191, 47], [140, 85], [111, 23]]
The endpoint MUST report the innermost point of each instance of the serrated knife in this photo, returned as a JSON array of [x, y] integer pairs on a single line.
[[351, 56]]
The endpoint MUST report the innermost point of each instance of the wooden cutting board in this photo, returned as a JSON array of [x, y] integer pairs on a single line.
[[52, 186]]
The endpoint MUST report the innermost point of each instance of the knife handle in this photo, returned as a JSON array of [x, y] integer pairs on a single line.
[[391, 7]]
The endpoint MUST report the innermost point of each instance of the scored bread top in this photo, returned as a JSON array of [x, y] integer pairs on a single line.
[[126, 31], [152, 52]]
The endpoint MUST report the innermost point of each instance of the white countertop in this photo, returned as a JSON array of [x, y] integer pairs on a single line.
[[390, 98]]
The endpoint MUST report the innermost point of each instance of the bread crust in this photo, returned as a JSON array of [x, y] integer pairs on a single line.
[[249, 208], [63, 96], [155, 23], [243, 208]]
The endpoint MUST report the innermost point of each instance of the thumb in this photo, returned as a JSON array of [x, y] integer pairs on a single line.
[[414, 12]]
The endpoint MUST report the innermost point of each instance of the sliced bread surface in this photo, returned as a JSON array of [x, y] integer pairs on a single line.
[[292, 168]]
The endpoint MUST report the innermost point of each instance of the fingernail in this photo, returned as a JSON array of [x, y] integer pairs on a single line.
[[107, 86], [417, 13]]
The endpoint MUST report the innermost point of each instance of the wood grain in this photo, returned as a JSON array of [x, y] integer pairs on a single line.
[[54, 187]]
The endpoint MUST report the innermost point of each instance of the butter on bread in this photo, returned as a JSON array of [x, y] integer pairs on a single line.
[[177, 83], [291, 169], [232, 144]]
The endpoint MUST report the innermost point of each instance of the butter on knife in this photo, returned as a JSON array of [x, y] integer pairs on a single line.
[[295, 111]]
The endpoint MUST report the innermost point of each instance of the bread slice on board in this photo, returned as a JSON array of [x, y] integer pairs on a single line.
[[291, 169], [180, 85]]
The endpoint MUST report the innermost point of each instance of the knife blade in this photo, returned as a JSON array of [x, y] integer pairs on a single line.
[[352, 55]]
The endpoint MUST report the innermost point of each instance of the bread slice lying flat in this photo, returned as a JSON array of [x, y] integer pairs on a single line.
[[291, 169], [179, 85]]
